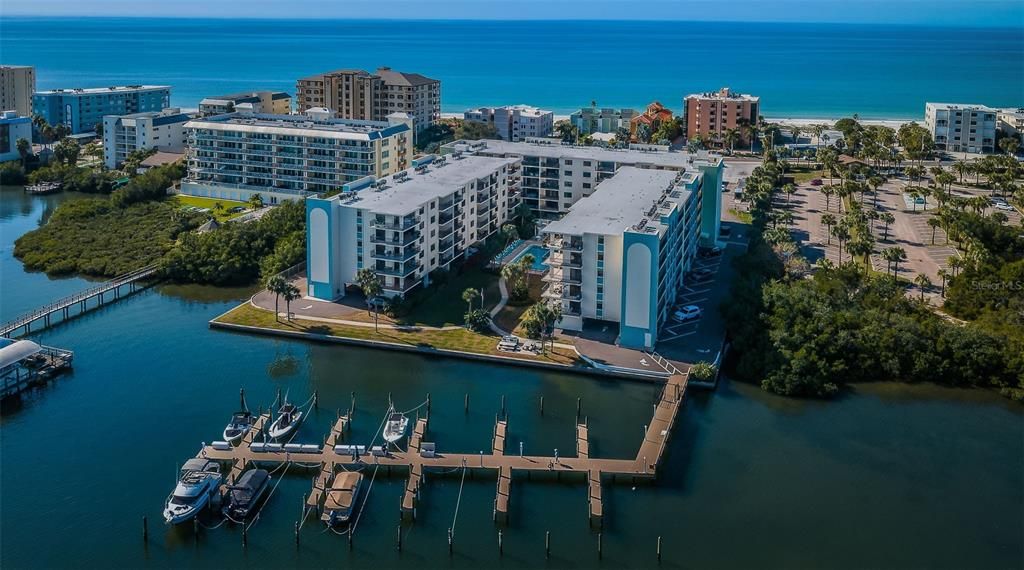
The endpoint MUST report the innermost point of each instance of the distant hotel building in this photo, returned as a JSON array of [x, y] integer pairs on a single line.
[[406, 225], [620, 254], [514, 122], [589, 120], [711, 114], [82, 109], [358, 94], [961, 128], [17, 84], [12, 128], [287, 157], [124, 134], [263, 102], [556, 176], [1011, 121]]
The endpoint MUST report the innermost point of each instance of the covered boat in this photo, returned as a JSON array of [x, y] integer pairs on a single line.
[[341, 498], [197, 483], [394, 430], [243, 496]]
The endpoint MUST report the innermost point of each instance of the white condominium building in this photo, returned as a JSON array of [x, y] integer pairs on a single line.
[[1011, 121], [591, 120], [961, 128], [514, 122], [124, 134], [236, 155], [620, 254], [17, 84], [555, 176], [406, 225]]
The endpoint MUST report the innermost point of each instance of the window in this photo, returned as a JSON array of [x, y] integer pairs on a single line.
[[567, 183], [567, 194]]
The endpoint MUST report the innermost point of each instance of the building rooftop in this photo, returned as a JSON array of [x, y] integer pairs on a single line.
[[960, 107], [404, 192], [103, 90], [617, 203], [724, 94], [299, 125], [400, 78], [658, 158]]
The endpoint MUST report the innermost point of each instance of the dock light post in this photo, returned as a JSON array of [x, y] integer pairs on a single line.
[[556, 455], [481, 458], [520, 449]]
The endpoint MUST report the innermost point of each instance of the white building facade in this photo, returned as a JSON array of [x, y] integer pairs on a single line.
[[289, 157], [514, 122], [961, 128], [124, 134], [406, 225], [12, 128]]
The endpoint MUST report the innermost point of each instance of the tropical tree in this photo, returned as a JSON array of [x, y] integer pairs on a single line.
[[469, 295], [842, 234], [703, 371], [828, 220], [290, 293], [256, 201], [371, 285], [730, 137], [789, 190], [894, 255], [944, 275], [934, 223], [276, 285], [67, 151], [509, 232], [1009, 145], [516, 274], [923, 283], [24, 147]]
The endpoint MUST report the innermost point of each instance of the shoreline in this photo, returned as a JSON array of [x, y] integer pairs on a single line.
[[793, 121]]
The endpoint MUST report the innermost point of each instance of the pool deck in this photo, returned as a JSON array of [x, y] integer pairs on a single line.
[[523, 248]]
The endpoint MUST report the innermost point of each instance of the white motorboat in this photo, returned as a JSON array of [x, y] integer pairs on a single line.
[[341, 498], [240, 424], [197, 483], [394, 430], [288, 418], [243, 496]]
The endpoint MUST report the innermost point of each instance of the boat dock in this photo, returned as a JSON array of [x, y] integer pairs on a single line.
[[421, 457], [24, 364], [108, 291]]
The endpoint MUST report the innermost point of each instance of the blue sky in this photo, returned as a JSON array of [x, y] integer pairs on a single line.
[[998, 13]]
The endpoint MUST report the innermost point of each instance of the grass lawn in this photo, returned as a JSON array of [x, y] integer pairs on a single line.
[[742, 216], [459, 339], [443, 306], [211, 204], [803, 175], [508, 318]]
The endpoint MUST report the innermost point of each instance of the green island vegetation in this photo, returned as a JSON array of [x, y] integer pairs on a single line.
[[816, 331]]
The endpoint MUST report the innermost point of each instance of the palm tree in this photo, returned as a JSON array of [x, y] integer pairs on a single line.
[[24, 149], [256, 201], [961, 167], [290, 293], [369, 282], [894, 255], [276, 284], [828, 220], [729, 138], [842, 234], [862, 248], [955, 263], [944, 275], [828, 192], [470, 295], [789, 189], [923, 283], [935, 224]]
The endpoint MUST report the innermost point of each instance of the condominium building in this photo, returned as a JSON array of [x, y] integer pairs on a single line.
[[620, 254], [17, 84], [125, 134], [287, 157], [709, 115], [265, 102], [82, 109], [589, 120], [1011, 121], [406, 225], [359, 94], [12, 128], [514, 122], [555, 176], [961, 128]]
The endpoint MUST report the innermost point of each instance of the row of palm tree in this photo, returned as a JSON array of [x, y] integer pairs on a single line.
[[281, 287]]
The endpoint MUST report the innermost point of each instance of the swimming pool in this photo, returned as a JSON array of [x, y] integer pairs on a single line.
[[539, 253]]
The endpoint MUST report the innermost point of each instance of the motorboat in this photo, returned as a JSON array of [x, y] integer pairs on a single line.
[[245, 493], [341, 498], [288, 418], [240, 424], [197, 484], [395, 428]]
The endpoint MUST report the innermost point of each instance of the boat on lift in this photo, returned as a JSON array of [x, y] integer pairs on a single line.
[[341, 498], [197, 484], [240, 424], [288, 419], [394, 429], [243, 496]]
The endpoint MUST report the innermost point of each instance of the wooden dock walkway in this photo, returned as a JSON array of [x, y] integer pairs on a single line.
[[644, 465], [504, 488], [582, 441], [65, 305], [323, 479]]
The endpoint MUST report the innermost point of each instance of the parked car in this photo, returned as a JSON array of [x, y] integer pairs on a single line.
[[236, 209], [687, 313], [1004, 207], [816, 182]]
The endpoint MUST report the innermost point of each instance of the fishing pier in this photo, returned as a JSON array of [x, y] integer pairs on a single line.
[[421, 458]]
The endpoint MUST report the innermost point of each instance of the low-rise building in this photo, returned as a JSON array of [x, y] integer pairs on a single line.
[[264, 102], [17, 84], [125, 134], [288, 157], [1011, 121], [590, 120], [406, 225], [620, 254], [642, 126], [514, 122], [82, 109], [709, 115], [555, 176], [961, 128], [12, 128]]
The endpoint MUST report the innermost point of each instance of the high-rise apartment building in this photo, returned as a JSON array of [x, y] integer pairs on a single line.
[[17, 84], [288, 157], [359, 94], [406, 225], [709, 115], [82, 109]]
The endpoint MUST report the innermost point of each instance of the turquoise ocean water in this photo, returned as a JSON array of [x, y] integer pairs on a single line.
[[799, 70]]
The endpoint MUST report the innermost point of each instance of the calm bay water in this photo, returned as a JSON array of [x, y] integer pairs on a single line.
[[890, 476], [799, 70]]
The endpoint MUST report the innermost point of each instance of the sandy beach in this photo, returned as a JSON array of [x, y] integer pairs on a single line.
[[789, 121]]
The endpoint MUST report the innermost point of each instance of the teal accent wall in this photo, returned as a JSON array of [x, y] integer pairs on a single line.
[[711, 202], [638, 324], [320, 261]]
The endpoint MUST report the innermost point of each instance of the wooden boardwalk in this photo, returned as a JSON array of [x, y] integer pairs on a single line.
[[323, 479], [591, 469]]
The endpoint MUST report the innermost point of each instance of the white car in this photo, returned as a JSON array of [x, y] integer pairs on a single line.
[[687, 313], [1005, 207]]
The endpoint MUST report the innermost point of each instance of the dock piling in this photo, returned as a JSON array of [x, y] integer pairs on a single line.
[[579, 408], [599, 549], [450, 546], [467, 403], [547, 544], [659, 549], [399, 537], [296, 533], [195, 528], [542, 405], [428, 403], [503, 405], [500, 548], [316, 399], [145, 529]]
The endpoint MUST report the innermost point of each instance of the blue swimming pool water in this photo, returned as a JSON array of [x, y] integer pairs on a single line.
[[539, 253]]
